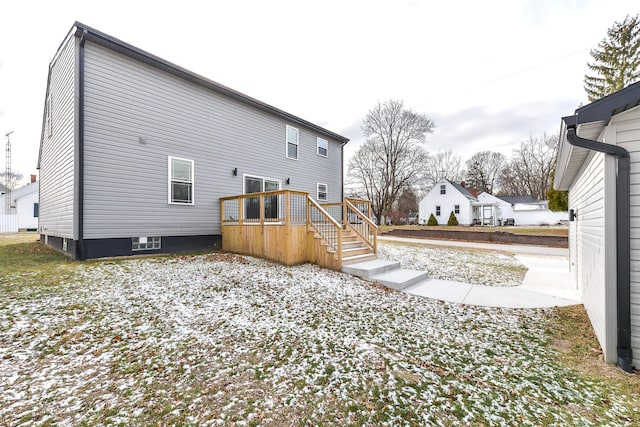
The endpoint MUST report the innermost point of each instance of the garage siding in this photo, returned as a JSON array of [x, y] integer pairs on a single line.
[[587, 197], [627, 133]]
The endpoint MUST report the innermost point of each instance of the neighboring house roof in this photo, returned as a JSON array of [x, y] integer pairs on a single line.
[[25, 190], [462, 190], [518, 199], [126, 49], [3, 189], [589, 122]]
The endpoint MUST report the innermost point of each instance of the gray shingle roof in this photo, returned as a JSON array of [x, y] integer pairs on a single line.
[[462, 190]]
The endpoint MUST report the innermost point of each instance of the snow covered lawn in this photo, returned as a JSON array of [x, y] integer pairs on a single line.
[[460, 265], [228, 340]]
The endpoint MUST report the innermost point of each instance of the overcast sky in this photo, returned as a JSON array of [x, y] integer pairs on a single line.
[[490, 73]]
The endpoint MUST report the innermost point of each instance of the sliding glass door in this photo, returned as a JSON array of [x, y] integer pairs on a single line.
[[254, 184]]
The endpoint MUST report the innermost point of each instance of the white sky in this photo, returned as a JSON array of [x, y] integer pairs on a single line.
[[490, 73]]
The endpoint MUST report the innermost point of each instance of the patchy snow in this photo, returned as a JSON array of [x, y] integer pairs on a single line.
[[229, 340], [459, 265]]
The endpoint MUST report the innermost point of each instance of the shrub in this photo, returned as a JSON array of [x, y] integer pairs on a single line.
[[452, 219], [432, 220]]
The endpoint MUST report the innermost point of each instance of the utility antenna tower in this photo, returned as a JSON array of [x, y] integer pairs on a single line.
[[7, 176]]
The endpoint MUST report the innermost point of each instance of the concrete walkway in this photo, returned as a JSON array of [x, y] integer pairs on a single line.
[[547, 283]]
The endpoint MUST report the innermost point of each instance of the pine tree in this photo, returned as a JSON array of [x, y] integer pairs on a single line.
[[616, 60], [432, 220], [452, 219]]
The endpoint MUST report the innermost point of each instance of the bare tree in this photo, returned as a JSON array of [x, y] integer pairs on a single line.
[[391, 158], [530, 169], [439, 166], [12, 181], [483, 169]]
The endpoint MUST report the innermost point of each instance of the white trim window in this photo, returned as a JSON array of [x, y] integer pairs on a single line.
[[323, 192], [181, 185], [322, 147], [443, 189], [292, 143], [437, 210], [456, 209]]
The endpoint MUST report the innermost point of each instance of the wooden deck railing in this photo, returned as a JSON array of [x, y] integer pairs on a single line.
[[290, 227], [361, 224]]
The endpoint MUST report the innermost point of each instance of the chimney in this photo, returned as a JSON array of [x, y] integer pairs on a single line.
[[463, 184], [33, 179]]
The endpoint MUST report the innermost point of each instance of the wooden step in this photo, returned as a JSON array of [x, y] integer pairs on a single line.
[[355, 251], [358, 258]]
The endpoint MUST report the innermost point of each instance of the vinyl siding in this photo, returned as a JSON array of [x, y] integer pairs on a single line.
[[595, 257], [57, 149], [136, 116], [627, 134]]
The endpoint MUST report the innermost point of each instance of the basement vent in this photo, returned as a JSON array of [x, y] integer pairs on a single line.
[[145, 243]]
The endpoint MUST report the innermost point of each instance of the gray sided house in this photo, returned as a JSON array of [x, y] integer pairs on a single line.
[[599, 164], [136, 152]]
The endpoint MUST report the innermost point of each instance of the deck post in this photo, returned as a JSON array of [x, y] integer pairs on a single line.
[[287, 207], [344, 214], [261, 210], [221, 215]]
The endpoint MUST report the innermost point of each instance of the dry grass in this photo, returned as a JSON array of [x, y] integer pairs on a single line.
[[575, 341]]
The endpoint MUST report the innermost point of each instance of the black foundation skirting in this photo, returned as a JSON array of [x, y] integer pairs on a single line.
[[100, 248]]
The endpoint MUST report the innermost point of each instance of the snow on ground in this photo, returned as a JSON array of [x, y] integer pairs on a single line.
[[459, 265], [229, 340]]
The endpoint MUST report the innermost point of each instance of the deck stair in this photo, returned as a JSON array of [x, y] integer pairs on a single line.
[[388, 273]]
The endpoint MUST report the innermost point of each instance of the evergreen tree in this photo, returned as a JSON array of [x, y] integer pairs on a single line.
[[558, 200], [616, 60], [452, 219], [432, 220]]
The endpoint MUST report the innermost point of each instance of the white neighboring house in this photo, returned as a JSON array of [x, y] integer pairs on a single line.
[[446, 197], [24, 209], [599, 164], [524, 210]]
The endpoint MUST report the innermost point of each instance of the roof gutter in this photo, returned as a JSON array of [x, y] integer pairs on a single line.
[[623, 232]]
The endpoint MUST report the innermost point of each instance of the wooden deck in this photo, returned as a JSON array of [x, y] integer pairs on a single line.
[[291, 228]]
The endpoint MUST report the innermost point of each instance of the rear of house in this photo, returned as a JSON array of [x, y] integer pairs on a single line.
[[599, 164], [136, 152]]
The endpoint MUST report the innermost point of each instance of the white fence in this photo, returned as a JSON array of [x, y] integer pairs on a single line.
[[8, 223]]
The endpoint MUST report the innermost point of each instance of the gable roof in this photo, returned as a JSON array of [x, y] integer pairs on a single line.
[[525, 198], [79, 30], [589, 122], [462, 190], [3, 189]]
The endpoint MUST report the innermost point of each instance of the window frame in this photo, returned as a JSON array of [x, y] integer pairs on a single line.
[[287, 142], [36, 209], [438, 210], [318, 147], [456, 209], [155, 243], [170, 181], [326, 192], [443, 188]]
